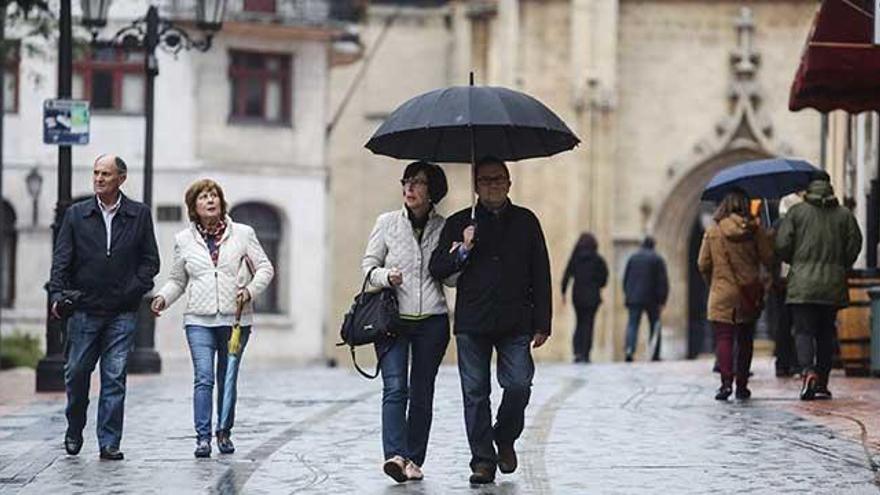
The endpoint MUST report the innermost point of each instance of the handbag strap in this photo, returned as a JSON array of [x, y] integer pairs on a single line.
[[378, 363]]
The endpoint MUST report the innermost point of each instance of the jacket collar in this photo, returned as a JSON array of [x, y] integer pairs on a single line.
[[404, 214], [125, 207], [483, 212], [226, 233]]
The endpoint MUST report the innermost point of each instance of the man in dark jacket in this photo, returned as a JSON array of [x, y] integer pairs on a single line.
[[503, 302], [646, 287], [820, 240], [106, 252]]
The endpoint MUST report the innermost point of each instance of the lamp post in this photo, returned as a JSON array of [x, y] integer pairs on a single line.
[[34, 182], [50, 369], [149, 33]]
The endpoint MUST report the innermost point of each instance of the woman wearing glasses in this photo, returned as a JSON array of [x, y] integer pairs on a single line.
[[398, 253]]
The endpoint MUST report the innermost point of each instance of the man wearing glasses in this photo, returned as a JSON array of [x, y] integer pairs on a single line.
[[502, 303]]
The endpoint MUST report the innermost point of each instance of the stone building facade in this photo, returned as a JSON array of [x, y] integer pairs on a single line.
[[662, 93]]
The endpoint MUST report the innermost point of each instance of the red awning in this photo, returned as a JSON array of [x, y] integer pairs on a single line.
[[840, 67]]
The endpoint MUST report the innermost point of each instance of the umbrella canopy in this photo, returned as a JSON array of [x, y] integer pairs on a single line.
[[771, 179], [464, 123], [840, 65]]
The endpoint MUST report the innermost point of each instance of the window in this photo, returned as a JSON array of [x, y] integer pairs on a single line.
[[7, 256], [260, 87], [10, 75], [267, 224], [267, 6], [111, 78]]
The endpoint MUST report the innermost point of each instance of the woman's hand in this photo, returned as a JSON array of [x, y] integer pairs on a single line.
[[395, 277], [157, 305], [243, 296]]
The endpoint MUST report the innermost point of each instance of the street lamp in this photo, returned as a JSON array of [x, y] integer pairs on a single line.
[[148, 33], [34, 183]]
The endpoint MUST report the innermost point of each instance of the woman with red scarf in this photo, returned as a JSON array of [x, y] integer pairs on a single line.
[[221, 265]]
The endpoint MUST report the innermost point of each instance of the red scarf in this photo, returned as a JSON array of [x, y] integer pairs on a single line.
[[212, 238]]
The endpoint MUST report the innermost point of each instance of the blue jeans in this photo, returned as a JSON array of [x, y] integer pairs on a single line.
[[515, 372], [632, 328], [405, 433], [204, 344], [90, 337]]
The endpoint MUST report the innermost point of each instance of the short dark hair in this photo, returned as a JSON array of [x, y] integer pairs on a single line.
[[648, 242], [490, 160], [121, 166], [437, 185]]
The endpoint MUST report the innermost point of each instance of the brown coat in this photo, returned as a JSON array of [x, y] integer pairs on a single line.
[[733, 245]]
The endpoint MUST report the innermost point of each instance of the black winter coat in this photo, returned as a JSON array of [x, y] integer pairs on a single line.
[[111, 281], [645, 282], [504, 284], [590, 274]]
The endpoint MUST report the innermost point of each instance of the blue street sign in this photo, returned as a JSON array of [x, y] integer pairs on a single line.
[[65, 122]]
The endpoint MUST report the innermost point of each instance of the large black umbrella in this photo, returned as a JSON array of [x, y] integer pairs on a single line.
[[465, 123]]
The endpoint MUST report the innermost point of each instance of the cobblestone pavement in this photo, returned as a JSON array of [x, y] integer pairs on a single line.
[[606, 428]]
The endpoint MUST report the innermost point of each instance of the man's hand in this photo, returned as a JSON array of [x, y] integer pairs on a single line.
[[539, 339], [467, 236], [54, 311], [157, 305], [395, 277]]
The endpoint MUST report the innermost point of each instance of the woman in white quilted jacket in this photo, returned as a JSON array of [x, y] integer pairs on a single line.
[[398, 254], [218, 264]]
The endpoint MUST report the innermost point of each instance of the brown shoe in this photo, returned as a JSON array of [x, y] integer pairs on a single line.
[[506, 458], [482, 475], [395, 468]]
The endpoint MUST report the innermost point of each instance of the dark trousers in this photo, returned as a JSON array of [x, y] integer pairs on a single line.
[[405, 431], [779, 318], [814, 336], [632, 328], [582, 341], [90, 338], [515, 370], [733, 339]]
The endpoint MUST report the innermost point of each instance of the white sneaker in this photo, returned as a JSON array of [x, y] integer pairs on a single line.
[[396, 468], [413, 471]]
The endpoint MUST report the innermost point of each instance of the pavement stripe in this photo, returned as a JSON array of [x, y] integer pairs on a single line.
[[234, 479], [535, 465]]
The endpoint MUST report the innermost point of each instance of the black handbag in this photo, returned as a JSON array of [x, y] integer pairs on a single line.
[[374, 317]]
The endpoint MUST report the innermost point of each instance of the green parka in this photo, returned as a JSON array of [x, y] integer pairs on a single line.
[[820, 240]]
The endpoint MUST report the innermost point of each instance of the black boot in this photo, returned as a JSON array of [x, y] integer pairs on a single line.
[[808, 389], [724, 392]]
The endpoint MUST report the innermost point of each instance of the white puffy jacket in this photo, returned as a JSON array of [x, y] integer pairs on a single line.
[[393, 244], [211, 290]]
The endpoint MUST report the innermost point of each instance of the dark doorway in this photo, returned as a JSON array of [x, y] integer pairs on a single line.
[[700, 338]]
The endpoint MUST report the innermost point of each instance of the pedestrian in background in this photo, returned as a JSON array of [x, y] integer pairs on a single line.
[[821, 240], [222, 266], [646, 288], [104, 262], [397, 256], [731, 256], [503, 303], [778, 312], [590, 273]]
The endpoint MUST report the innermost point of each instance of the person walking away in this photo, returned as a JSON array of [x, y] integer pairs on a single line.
[[503, 303], [105, 258], [646, 288], [590, 273], [222, 266], [397, 256], [731, 255], [821, 240]]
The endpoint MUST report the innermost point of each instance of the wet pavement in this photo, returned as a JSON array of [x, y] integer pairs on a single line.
[[603, 428]]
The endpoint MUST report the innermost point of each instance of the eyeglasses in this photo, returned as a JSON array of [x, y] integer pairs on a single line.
[[493, 180], [413, 182]]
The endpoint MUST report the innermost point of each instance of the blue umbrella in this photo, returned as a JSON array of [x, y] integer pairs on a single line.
[[770, 179]]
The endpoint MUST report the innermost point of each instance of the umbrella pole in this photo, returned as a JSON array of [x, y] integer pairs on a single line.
[[473, 160], [766, 212]]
